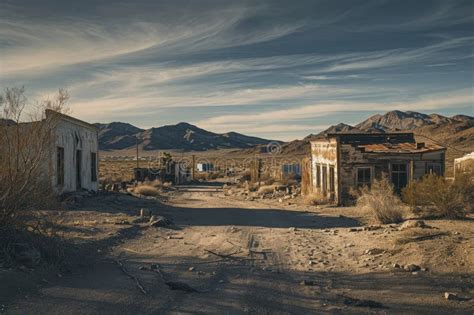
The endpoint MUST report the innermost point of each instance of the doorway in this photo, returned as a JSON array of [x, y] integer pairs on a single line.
[[78, 169], [399, 176]]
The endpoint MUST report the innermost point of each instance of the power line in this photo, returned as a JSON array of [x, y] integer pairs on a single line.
[[440, 143]]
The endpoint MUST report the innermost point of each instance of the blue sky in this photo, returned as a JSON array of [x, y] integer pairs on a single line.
[[275, 69]]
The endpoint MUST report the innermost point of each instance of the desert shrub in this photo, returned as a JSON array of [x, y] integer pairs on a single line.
[[380, 202], [246, 175], [200, 176], [315, 198], [267, 189], [439, 197], [146, 190], [213, 175], [268, 181], [167, 184], [25, 142]]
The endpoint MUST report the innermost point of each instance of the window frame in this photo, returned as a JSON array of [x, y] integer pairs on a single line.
[[363, 183], [430, 170]]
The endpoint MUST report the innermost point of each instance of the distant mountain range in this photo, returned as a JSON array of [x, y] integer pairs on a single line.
[[456, 132], [182, 136]]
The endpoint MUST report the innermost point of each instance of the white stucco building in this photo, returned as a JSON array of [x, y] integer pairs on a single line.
[[74, 156]]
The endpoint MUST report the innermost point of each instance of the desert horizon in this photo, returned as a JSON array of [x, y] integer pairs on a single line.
[[236, 157]]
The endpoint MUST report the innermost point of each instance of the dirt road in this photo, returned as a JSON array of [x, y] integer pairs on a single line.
[[240, 256]]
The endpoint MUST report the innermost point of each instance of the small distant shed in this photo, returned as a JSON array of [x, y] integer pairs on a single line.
[[464, 164], [205, 167]]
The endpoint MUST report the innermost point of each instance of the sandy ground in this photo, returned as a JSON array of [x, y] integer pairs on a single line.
[[244, 257]]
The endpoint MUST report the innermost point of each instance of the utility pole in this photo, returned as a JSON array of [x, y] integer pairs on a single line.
[[194, 166], [138, 165]]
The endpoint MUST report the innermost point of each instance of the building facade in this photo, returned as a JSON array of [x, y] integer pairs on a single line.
[[75, 154], [344, 162]]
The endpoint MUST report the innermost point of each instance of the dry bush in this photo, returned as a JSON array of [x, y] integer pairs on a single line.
[[269, 181], [167, 184], [315, 198], [246, 175], [263, 190], [25, 144], [146, 190], [380, 202], [213, 175], [436, 196], [200, 176]]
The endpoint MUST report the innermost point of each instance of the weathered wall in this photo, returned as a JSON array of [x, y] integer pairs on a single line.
[[324, 153], [73, 136], [380, 163]]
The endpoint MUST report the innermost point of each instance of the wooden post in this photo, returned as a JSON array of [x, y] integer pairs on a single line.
[[193, 166], [138, 163]]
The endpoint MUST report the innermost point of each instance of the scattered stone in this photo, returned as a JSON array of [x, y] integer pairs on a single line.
[[221, 281], [292, 229], [353, 230], [280, 200], [451, 296], [374, 251], [158, 221], [414, 224], [372, 228], [122, 222], [412, 268], [396, 266], [191, 269]]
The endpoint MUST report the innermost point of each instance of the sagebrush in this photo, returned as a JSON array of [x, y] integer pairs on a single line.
[[381, 202], [436, 196]]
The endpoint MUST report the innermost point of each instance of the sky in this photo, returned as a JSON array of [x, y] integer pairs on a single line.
[[273, 69]]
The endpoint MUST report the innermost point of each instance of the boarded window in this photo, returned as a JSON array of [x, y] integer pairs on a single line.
[[433, 168], [60, 166], [364, 176], [93, 166]]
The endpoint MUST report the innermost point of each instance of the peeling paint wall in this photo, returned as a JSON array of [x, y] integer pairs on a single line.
[[324, 168], [73, 136], [347, 158]]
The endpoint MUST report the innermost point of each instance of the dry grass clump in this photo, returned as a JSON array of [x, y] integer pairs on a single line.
[[315, 198], [381, 203], [266, 189], [436, 196], [146, 190]]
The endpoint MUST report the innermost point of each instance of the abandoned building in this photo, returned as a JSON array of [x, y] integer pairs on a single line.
[[343, 162], [74, 164]]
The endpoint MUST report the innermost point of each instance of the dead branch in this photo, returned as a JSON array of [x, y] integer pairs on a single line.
[[139, 285], [223, 255]]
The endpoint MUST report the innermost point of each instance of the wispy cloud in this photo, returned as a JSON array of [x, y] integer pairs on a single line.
[[287, 118]]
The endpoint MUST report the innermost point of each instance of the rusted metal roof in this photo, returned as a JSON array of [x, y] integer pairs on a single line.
[[404, 147]]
